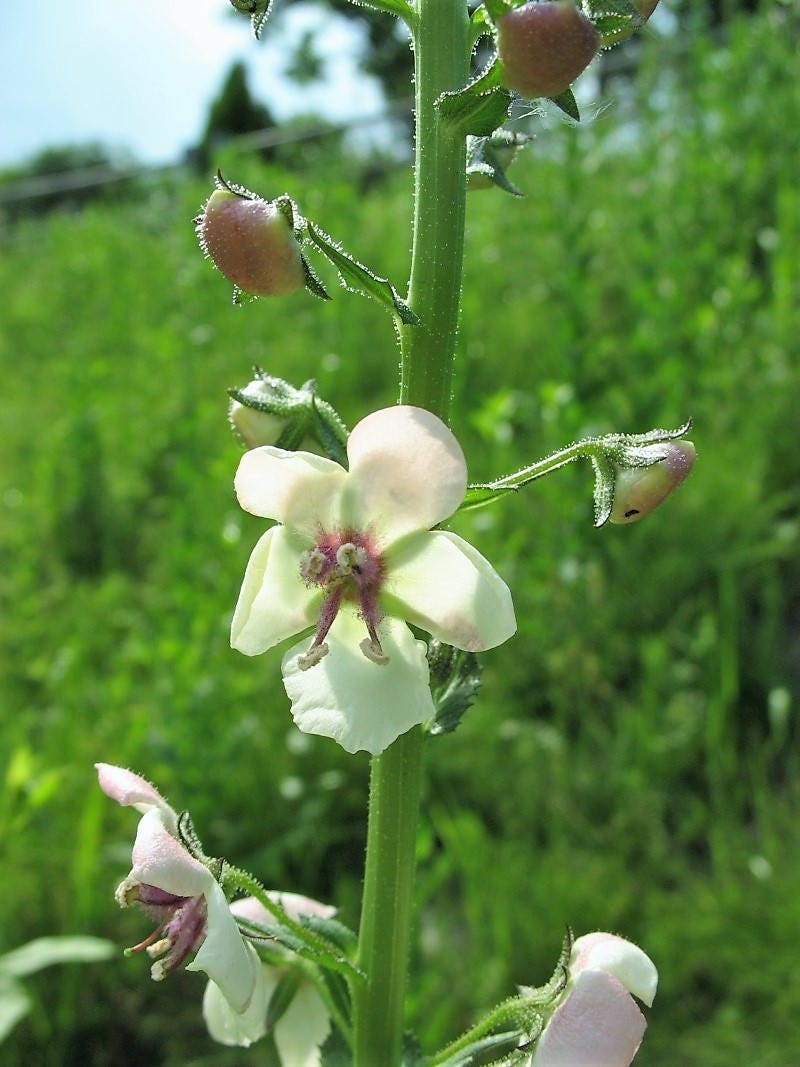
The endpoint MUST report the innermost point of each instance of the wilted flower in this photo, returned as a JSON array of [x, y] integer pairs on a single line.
[[543, 47], [596, 1022], [355, 554], [303, 1025], [181, 894]]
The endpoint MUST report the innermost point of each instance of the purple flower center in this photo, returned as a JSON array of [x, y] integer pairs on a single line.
[[181, 929], [347, 566]]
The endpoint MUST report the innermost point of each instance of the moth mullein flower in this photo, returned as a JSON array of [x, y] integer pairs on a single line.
[[597, 1022], [181, 894], [354, 556], [305, 1023]]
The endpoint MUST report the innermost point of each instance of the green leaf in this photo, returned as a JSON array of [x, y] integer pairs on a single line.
[[473, 1053], [46, 951], [355, 275], [324, 954], [605, 474], [14, 1005], [455, 680], [479, 108], [568, 104], [498, 8], [614, 20]]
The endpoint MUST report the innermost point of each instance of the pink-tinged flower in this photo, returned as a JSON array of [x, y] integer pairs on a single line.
[[597, 1023], [639, 490], [305, 1023], [182, 895], [354, 556]]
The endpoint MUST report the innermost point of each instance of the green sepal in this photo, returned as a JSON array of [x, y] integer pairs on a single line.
[[334, 931], [614, 20], [474, 1053], [338, 994], [484, 163], [480, 25], [479, 108], [567, 103], [335, 1052], [455, 681], [478, 496], [323, 955], [497, 8], [355, 277], [258, 10], [329, 430], [282, 996], [605, 475]]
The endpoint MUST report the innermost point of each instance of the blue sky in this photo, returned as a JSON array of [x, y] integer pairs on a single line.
[[139, 74]]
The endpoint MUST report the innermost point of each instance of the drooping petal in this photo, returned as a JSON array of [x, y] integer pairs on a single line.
[[129, 789], [359, 703], [302, 1028], [160, 860], [626, 961], [596, 1025], [228, 960], [296, 488], [231, 1027], [274, 602], [293, 904], [442, 584], [407, 472]]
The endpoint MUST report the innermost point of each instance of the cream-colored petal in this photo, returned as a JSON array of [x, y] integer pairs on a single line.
[[298, 489], [596, 1025], [302, 1028], [407, 472], [159, 859], [626, 961], [131, 790], [274, 602], [359, 703], [228, 960], [442, 584], [231, 1027]]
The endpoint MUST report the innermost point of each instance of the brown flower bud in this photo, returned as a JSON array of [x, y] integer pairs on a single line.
[[251, 242], [543, 47]]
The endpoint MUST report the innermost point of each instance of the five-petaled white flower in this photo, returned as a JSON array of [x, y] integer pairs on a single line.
[[354, 555], [597, 1023], [303, 1025], [182, 895]]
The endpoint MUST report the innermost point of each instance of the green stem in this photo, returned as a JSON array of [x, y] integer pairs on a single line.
[[441, 63]]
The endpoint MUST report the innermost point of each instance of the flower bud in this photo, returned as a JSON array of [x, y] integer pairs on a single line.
[[638, 490], [543, 47], [251, 242], [253, 421]]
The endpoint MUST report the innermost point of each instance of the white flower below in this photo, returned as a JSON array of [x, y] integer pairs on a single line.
[[597, 1022], [354, 556]]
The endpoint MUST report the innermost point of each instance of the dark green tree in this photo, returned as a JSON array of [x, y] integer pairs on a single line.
[[235, 111]]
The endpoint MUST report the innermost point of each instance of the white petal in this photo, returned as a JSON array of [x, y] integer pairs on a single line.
[[295, 488], [228, 960], [293, 904], [360, 704], [442, 584], [597, 1025], [274, 602], [407, 472], [131, 790], [302, 1028], [159, 859], [626, 961], [231, 1027]]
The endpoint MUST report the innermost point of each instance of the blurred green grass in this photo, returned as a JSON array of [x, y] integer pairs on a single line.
[[632, 762]]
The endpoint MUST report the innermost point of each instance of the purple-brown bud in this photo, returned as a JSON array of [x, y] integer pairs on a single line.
[[543, 47], [251, 242], [638, 490]]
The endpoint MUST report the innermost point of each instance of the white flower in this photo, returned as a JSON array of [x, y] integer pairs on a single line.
[[182, 895], [597, 1023], [303, 1026], [354, 556]]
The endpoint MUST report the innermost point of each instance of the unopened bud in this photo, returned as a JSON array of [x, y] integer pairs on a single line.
[[543, 47], [638, 490], [251, 242]]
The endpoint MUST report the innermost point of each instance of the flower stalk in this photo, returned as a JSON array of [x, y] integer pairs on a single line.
[[441, 57]]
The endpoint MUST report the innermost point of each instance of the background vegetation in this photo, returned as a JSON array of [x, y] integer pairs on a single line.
[[632, 762]]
